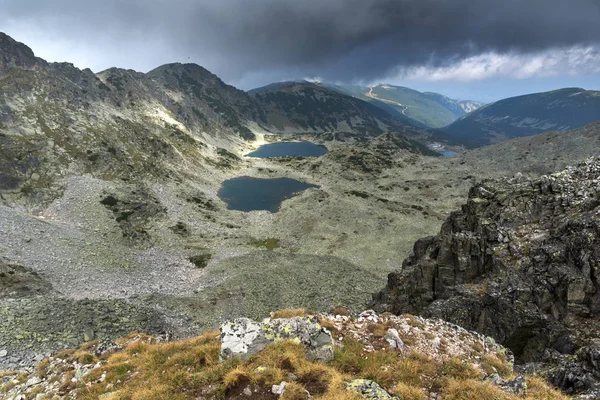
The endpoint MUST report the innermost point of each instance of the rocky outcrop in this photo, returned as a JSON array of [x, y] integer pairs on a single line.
[[16, 55], [17, 281], [521, 263], [369, 390], [244, 337], [438, 360]]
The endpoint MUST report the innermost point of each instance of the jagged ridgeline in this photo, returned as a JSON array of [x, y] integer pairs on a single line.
[[57, 120], [520, 262]]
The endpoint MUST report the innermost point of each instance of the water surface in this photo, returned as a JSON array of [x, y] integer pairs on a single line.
[[289, 149], [250, 194], [449, 153]]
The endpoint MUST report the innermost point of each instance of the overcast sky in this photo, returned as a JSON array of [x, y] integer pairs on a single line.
[[467, 49]]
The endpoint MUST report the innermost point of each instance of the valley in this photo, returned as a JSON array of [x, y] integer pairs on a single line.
[[169, 202], [371, 203]]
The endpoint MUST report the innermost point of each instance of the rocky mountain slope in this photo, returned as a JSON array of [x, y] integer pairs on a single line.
[[559, 110], [292, 355], [315, 109], [426, 109], [58, 121], [520, 263], [111, 220]]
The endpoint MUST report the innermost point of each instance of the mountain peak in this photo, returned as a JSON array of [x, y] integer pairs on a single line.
[[280, 85], [15, 54]]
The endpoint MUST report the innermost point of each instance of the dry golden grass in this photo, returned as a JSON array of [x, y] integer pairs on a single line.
[[7, 373], [340, 310], [470, 389], [190, 369], [289, 313], [493, 364], [407, 392], [538, 389], [294, 391], [326, 323], [412, 321]]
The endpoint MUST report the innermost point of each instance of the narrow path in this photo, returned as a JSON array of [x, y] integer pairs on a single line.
[[374, 96]]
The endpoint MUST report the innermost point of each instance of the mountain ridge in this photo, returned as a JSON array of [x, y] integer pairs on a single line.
[[530, 114], [517, 262], [425, 109]]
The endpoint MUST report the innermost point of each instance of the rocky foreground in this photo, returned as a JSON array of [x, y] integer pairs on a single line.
[[521, 263], [292, 355]]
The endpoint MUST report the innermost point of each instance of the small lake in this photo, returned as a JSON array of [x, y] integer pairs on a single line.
[[449, 153], [289, 149], [250, 194]]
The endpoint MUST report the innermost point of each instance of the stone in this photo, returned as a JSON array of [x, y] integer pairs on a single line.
[[3, 353], [88, 335], [394, 340], [33, 381], [244, 337], [495, 379], [279, 389], [369, 390], [247, 391], [519, 263], [517, 386]]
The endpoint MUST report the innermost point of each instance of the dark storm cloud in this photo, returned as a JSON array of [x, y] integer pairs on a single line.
[[335, 39]]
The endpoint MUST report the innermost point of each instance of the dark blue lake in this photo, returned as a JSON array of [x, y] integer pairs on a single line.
[[449, 153], [250, 194], [289, 149]]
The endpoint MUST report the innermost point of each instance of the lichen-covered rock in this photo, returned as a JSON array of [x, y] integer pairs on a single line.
[[369, 390], [520, 262], [244, 337]]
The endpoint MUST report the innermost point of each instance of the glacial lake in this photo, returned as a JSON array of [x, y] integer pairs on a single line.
[[250, 194], [289, 149], [449, 153]]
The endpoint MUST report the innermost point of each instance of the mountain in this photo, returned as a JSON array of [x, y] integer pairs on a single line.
[[518, 262], [275, 86], [559, 110], [427, 109], [16, 55], [124, 124], [304, 107]]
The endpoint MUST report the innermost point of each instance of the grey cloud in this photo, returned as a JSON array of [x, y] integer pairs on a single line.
[[334, 39]]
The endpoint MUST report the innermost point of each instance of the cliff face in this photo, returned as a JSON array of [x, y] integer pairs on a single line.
[[520, 262], [16, 55]]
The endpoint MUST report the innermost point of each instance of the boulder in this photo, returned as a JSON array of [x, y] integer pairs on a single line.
[[369, 390], [393, 338], [244, 337]]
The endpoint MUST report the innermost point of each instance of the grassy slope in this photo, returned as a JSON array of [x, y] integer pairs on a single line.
[[415, 105], [191, 369], [527, 115]]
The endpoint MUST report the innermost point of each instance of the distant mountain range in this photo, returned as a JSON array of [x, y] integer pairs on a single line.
[[558, 110], [428, 109], [422, 109], [306, 107]]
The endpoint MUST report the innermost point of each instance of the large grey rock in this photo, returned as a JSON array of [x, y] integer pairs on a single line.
[[393, 338], [369, 390], [244, 337], [517, 386], [519, 262]]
